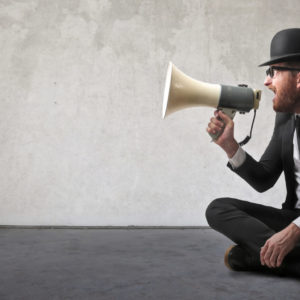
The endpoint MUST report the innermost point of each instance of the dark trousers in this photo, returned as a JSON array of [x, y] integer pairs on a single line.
[[249, 224]]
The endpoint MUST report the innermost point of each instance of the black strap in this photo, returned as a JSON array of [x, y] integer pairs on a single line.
[[248, 137]]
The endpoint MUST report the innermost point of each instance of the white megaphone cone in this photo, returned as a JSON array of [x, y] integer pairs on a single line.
[[182, 91]]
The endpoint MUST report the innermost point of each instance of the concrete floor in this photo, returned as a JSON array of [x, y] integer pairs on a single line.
[[127, 264]]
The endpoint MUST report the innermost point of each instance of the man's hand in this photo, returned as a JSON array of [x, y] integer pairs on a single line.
[[221, 122], [279, 245]]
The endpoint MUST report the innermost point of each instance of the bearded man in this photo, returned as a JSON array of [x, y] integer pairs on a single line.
[[266, 238]]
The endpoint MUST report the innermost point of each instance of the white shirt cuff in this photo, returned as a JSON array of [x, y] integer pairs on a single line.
[[238, 159], [297, 222]]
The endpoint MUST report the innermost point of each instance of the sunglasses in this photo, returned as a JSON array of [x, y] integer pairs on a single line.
[[270, 71]]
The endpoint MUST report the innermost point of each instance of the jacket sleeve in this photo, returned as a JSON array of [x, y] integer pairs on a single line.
[[263, 174]]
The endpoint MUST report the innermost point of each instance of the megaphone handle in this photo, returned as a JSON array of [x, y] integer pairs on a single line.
[[230, 113]]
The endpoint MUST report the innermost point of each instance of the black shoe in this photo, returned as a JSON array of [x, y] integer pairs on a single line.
[[291, 269], [238, 259]]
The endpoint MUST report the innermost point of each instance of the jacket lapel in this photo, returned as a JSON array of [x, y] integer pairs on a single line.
[[288, 160], [287, 146]]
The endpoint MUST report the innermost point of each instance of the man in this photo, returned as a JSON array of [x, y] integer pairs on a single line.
[[266, 238]]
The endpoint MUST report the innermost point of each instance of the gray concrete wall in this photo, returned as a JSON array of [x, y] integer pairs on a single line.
[[82, 141]]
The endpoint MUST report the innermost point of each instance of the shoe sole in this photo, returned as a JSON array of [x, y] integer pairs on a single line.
[[226, 260]]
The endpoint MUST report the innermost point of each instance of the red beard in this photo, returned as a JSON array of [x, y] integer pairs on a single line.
[[287, 98]]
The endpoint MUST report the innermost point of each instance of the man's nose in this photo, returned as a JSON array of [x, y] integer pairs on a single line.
[[268, 81]]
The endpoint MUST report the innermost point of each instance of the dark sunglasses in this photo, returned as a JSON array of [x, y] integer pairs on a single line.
[[270, 70]]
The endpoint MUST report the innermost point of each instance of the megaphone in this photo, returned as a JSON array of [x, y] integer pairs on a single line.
[[182, 91]]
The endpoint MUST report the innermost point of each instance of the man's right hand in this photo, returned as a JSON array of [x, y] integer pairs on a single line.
[[221, 122]]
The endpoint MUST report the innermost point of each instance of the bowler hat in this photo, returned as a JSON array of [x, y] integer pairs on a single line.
[[285, 46]]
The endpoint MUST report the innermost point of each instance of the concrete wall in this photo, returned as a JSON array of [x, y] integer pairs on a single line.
[[82, 140]]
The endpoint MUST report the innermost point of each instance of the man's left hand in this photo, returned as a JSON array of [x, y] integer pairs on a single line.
[[279, 245]]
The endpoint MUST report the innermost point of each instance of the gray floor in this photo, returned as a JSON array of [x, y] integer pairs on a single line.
[[127, 264]]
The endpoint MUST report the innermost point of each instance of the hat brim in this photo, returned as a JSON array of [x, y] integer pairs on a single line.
[[277, 59]]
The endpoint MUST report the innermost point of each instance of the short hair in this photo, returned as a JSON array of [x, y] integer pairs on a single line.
[[293, 63]]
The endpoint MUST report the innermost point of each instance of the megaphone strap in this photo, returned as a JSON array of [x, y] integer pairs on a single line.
[[248, 137]]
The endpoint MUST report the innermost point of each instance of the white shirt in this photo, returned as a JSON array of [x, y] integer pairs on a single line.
[[240, 156]]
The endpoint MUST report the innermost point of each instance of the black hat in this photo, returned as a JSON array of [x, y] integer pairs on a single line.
[[285, 46]]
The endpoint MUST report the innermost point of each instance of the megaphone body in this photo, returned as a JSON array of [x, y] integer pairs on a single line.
[[182, 91]]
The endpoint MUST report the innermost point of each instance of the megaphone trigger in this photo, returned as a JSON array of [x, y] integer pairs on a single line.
[[228, 111]]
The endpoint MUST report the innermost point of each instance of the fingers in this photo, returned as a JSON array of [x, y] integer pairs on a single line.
[[266, 255], [262, 255], [214, 131], [272, 262], [280, 258], [215, 125], [224, 117], [277, 247], [222, 127], [271, 256], [221, 120]]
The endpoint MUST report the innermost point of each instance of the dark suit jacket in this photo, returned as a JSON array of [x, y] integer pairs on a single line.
[[277, 157]]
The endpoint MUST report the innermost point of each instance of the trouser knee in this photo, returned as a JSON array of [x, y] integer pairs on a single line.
[[213, 211]]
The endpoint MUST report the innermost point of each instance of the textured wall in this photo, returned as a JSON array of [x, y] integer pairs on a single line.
[[82, 142]]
